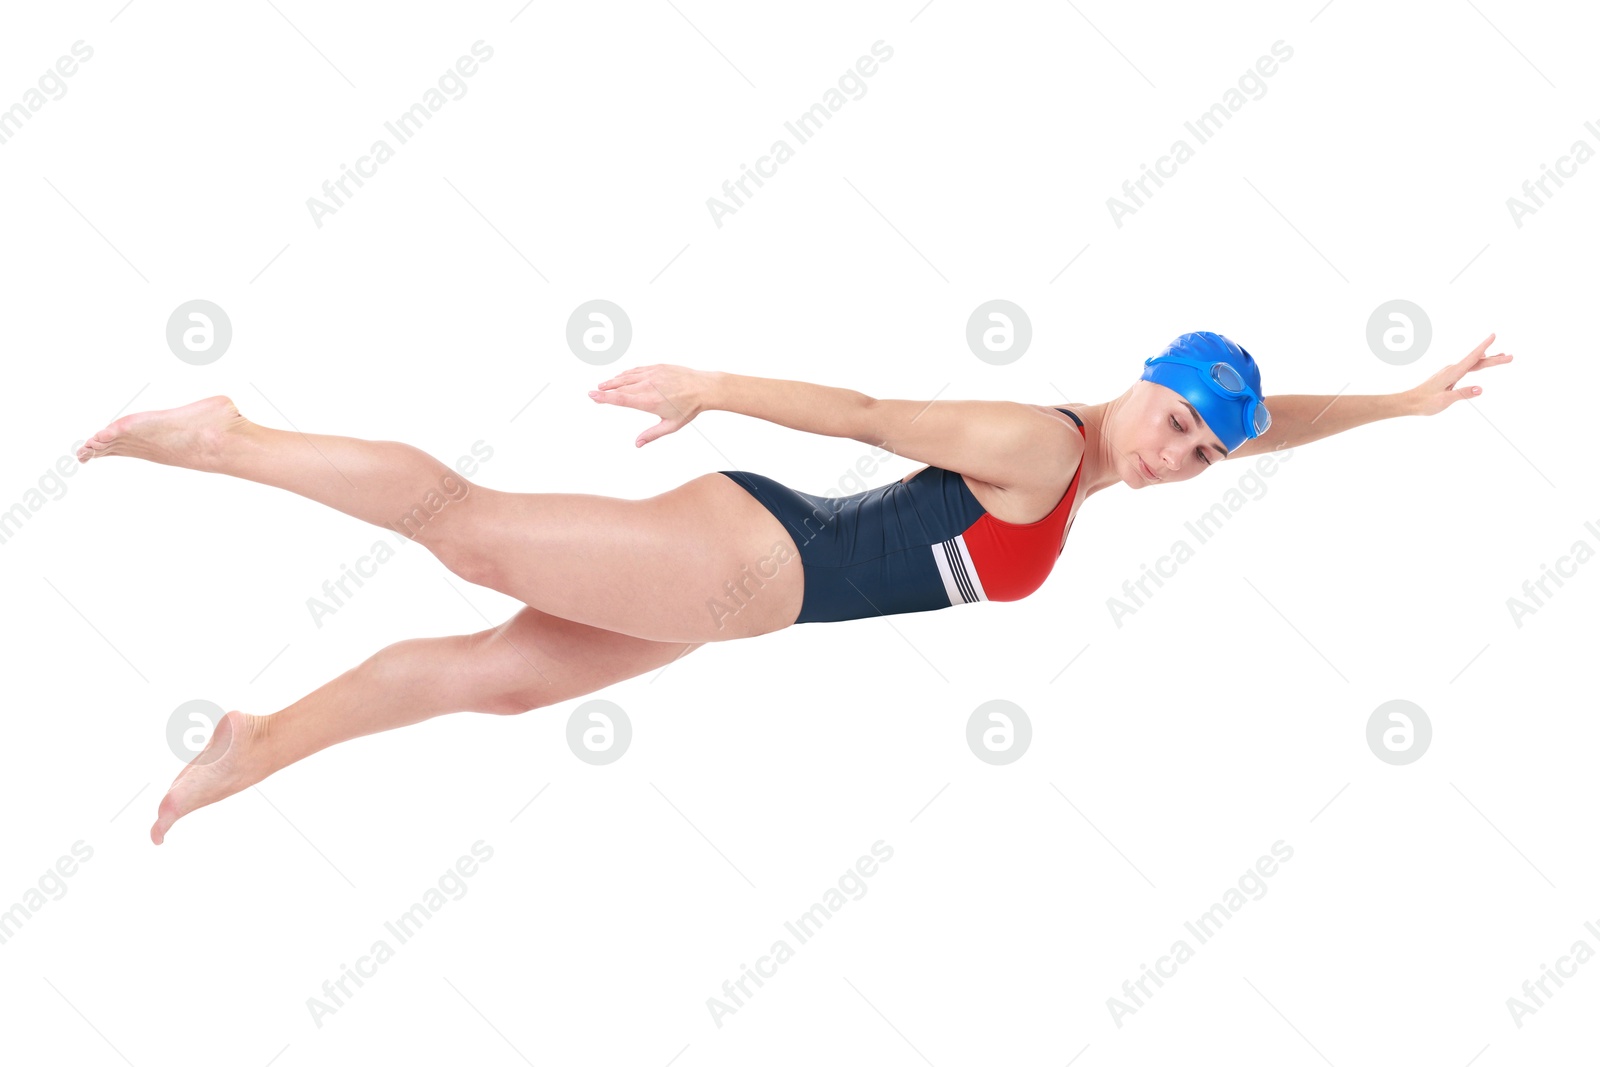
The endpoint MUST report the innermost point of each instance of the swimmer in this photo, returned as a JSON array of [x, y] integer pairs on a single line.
[[615, 587]]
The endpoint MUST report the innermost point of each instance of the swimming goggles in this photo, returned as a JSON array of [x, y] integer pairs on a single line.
[[1226, 381]]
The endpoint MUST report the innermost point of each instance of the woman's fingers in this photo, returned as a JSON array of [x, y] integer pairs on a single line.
[[1477, 358], [1474, 360], [639, 390], [628, 396], [1441, 390], [627, 377], [660, 429]]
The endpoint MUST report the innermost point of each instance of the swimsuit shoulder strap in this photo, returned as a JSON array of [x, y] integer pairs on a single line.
[[1073, 417]]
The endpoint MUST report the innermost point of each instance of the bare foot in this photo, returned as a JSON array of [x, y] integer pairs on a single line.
[[233, 759], [191, 436]]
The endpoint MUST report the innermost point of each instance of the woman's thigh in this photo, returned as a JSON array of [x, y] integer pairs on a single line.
[[702, 562]]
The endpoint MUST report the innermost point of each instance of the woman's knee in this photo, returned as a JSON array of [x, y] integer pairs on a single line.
[[509, 705], [517, 697], [536, 660], [507, 680], [465, 556]]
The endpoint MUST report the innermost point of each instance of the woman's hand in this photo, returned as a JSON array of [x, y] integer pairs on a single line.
[[673, 394], [1439, 392]]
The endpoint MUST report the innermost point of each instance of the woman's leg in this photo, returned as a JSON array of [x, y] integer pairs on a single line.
[[531, 661], [387, 483], [702, 562]]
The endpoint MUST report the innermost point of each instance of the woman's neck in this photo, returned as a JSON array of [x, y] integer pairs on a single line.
[[1100, 466]]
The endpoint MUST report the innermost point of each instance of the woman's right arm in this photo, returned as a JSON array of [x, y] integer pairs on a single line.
[[822, 409], [996, 441], [676, 395]]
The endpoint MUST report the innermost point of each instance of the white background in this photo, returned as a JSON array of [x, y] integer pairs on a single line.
[[1227, 714]]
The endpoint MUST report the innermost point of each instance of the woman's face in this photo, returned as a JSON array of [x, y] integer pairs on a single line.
[[1161, 438]]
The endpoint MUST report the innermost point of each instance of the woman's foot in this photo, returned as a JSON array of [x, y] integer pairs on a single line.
[[191, 436], [234, 758]]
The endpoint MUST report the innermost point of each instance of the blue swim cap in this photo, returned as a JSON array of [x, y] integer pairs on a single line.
[[1182, 367]]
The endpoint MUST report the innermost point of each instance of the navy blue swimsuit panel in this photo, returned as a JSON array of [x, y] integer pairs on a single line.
[[871, 553]]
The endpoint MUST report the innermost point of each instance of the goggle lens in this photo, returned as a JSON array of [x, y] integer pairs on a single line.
[[1227, 377]]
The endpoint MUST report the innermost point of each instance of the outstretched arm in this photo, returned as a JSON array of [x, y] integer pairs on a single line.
[[675, 395], [1300, 419], [806, 406], [998, 441]]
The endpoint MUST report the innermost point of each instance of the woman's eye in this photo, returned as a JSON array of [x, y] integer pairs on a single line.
[[1201, 452]]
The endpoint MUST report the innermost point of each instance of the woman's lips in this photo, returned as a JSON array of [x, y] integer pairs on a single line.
[[1148, 473]]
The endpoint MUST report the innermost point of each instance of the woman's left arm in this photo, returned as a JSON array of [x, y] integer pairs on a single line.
[[1298, 419]]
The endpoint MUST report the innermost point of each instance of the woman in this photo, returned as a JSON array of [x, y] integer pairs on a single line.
[[618, 587]]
